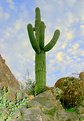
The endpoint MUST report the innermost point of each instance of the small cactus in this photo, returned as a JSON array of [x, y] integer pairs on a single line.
[[36, 36]]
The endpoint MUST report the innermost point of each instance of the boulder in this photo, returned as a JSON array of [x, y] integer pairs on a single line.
[[45, 107]]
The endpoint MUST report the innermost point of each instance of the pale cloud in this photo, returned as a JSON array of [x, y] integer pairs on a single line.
[[64, 58], [17, 26], [82, 31], [59, 56], [82, 18], [70, 18], [1, 46], [64, 45], [70, 2], [47, 38], [18, 75], [8, 32], [52, 61], [79, 9], [29, 53], [69, 35], [75, 47], [74, 54], [68, 59], [25, 44], [82, 53], [82, 26]]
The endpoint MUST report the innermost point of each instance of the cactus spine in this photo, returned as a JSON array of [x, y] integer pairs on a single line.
[[36, 36]]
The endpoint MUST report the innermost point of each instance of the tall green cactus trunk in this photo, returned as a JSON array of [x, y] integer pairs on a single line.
[[40, 70], [36, 36]]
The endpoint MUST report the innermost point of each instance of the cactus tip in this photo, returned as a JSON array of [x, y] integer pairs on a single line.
[[58, 31], [37, 9], [29, 26]]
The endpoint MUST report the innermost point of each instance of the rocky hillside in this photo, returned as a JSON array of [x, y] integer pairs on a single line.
[[7, 80], [63, 102], [47, 107], [6, 77]]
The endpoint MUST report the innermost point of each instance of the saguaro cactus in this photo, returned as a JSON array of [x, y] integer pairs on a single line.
[[36, 36]]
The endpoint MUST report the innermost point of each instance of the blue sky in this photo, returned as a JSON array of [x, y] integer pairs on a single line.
[[65, 58]]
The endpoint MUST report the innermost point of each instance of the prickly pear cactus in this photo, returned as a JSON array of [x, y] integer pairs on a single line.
[[36, 36]]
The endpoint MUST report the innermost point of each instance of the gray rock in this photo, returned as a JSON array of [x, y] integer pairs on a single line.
[[33, 103], [45, 107], [34, 114], [46, 99]]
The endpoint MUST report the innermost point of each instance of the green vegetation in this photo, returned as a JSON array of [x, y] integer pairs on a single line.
[[10, 109], [82, 118], [36, 35], [29, 89], [71, 110]]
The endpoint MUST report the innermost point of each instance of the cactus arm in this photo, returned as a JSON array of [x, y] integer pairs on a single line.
[[33, 41], [38, 16], [51, 44], [41, 36], [37, 23]]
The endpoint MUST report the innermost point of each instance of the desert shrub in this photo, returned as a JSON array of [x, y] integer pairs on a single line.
[[30, 87], [9, 109], [73, 91]]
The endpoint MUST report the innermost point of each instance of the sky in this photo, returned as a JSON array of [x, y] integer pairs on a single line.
[[67, 56]]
